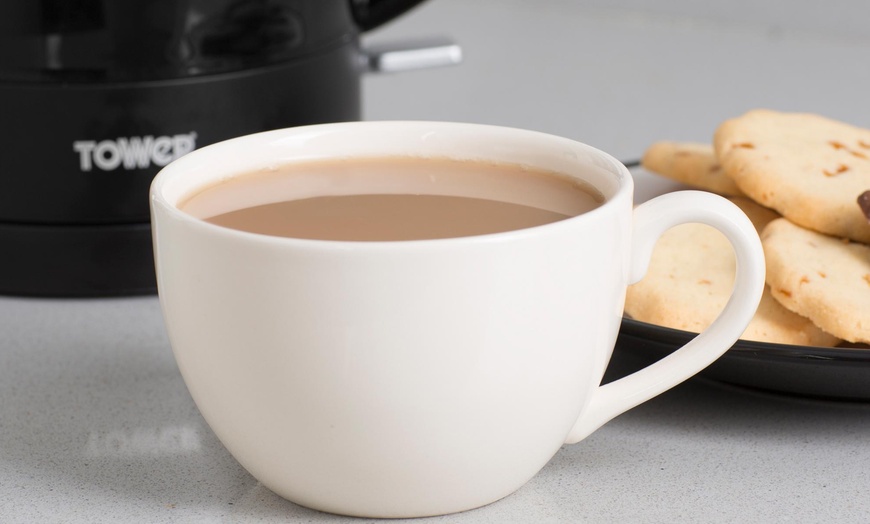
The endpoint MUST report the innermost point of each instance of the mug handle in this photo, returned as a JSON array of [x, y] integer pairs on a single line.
[[651, 219]]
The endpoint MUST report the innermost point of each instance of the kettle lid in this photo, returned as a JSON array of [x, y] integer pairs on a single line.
[[140, 40]]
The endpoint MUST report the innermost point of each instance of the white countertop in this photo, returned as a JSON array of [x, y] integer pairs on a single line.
[[96, 424]]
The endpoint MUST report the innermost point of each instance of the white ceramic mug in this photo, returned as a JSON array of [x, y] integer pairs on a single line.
[[399, 379]]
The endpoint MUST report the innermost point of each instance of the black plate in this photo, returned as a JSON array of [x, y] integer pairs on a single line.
[[834, 373]]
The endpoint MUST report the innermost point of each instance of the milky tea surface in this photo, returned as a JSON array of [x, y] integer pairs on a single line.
[[391, 199]]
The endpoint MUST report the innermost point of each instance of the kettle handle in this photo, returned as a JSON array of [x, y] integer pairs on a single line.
[[369, 14]]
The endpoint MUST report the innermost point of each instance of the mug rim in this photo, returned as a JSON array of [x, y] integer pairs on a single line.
[[212, 152]]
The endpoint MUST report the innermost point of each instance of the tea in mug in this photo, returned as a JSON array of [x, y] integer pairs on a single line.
[[392, 199]]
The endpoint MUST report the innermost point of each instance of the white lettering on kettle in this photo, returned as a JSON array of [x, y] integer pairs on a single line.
[[135, 152]]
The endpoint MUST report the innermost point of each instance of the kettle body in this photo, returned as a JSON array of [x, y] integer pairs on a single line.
[[97, 95]]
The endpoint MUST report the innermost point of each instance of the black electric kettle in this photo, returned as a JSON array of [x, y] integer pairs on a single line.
[[97, 95]]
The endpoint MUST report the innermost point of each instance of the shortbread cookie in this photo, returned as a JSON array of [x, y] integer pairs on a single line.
[[821, 277], [808, 168], [690, 163], [690, 278]]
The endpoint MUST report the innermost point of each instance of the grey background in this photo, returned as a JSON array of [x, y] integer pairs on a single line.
[[620, 74]]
